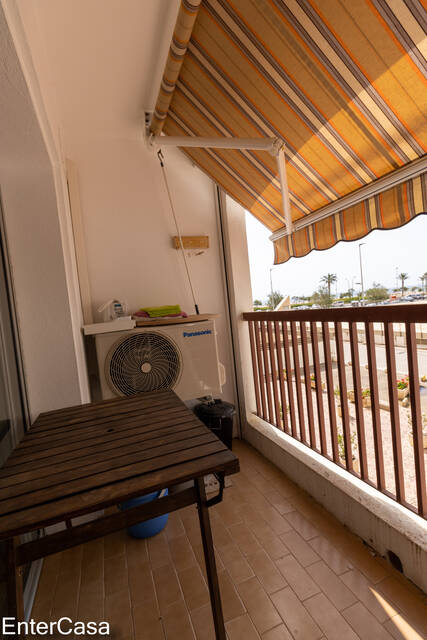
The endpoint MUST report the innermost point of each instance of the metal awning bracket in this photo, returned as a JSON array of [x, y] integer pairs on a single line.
[[275, 146]]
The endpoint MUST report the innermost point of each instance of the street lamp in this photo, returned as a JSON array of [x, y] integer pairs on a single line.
[[361, 270], [351, 289]]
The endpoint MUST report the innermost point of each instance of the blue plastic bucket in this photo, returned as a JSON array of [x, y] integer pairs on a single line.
[[151, 527]]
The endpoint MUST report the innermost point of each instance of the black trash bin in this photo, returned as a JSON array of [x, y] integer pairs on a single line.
[[218, 417]]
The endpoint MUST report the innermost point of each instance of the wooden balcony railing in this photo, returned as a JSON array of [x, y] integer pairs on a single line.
[[330, 378]]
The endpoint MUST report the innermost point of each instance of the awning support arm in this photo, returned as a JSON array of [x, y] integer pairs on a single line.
[[286, 205], [275, 146], [259, 144]]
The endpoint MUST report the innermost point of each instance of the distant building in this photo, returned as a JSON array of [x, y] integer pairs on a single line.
[[284, 304]]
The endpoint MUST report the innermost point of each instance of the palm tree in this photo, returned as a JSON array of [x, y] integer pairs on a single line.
[[423, 279], [329, 280], [402, 278]]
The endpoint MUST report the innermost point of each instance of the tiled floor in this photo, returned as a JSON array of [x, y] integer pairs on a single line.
[[287, 570]]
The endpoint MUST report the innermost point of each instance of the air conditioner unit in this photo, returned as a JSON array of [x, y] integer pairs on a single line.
[[182, 357]]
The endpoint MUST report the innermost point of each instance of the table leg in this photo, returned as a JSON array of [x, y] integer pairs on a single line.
[[208, 548], [15, 591]]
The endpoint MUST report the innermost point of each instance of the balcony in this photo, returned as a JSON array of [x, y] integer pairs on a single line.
[[287, 570], [350, 390]]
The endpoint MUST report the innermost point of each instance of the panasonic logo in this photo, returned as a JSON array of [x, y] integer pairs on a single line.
[[187, 334]]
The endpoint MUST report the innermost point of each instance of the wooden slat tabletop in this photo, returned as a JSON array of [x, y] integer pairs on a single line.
[[83, 458]]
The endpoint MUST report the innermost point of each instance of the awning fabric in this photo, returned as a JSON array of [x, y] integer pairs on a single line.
[[342, 82]]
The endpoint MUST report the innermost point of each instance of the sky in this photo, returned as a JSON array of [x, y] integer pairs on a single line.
[[384, 254]]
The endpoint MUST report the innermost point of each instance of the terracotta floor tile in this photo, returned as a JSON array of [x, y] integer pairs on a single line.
[[361, 557], [167, 586], [89, 582], [181, 553], [141, 584], [275, 547], [278, 633], [147, 622], [297, 577], [364, 624], [174, 527], [220, 533], [266, 572], [43, 601], [295, 616], [279, 502], [176, 622], [302, 525], [258, 604], [367, 593], [227, 511], [278, 523], [158, 551], [407, 598], [200, 557], [66, 596], [401, 629], [118, 613], [329, 618], [93, 552], [261, 530], [194, 587], [115, 544], [331, 585], [237, 565], [262, 484], [301, 549], [71, 561], [91, 602], [92, 569], [137, 551], [203, 623], [244, 539], [231, 604], [192, 528], [330, 555], [241, 629], [250, 515], [116, 574]]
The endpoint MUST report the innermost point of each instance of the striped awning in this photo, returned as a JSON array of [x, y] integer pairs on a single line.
[[342, 82]]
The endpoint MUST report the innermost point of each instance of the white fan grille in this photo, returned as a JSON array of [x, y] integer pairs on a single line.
[[142, 362]]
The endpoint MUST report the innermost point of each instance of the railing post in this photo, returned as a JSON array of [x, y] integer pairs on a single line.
[[297, 371], [255, 367], [278, 341], [396, 437], [417, 420], [260, 371], [288, 366], [375, 405], [360, 421], [343, 393], [318, 383]]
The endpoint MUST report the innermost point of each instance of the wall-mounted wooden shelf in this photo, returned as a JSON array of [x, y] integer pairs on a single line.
[[192, 242]]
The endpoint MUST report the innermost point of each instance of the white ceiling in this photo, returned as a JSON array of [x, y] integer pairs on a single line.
[[99, 61]]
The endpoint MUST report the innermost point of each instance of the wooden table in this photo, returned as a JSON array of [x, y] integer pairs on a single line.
[[82, 459]]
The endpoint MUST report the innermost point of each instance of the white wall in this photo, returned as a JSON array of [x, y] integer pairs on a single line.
[[240, 292], [99, 66], [34, 239], [129, 226]]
